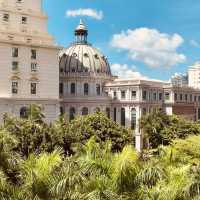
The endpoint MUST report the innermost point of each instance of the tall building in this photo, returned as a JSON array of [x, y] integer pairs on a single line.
[[28, 59], [194, 75]]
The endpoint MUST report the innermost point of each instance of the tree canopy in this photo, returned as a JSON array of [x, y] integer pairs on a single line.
[[92, 158]]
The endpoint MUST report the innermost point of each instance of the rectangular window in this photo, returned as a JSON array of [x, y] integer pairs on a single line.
[[33, 88], [98, 89], [61, 88], [195, 98], [14, 87], [191, 99], [144, 95], [186, 97], [115, 114], [6, 17], [160, 96], [33, 54], [133, 94], [115, 95], [123, 94], [73, 88], [181, 97], [15, 52], [175, 96], [33, 67], [154, 96], [15, 66], [167, 96], [24, 20]]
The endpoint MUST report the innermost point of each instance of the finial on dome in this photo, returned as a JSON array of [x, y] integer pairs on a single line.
[[81, 33]]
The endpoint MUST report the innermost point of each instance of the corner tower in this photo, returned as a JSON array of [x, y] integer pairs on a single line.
[[28, 58]]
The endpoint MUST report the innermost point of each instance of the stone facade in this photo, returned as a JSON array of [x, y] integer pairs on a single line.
[[28, 59]]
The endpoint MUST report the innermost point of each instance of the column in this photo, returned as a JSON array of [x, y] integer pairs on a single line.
[[138, 133]]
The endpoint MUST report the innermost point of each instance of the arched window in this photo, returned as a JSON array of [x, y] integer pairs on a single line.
[[97, 110], [72, 113], [133, 118], [85, 111], [98, 89], [24, 112], [61, 110], [73, 88], [123, 117], [108, 112], [86, 89]]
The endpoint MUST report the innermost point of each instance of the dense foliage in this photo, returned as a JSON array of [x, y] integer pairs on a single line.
[[159, 128], [35, 163], [97, 173], [34, 135]]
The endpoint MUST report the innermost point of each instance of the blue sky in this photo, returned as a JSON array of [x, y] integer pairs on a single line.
[[163, 36]]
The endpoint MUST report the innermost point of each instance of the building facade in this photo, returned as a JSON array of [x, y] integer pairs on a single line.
[[28, 59], [194, 75]]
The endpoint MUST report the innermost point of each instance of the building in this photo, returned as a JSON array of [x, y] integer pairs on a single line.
[[87, 85], [194, 75], [28, 59], [179, 80], [83, 74], [78, 80]]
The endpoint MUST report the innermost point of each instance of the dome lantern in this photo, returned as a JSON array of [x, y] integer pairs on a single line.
[[81, 33]]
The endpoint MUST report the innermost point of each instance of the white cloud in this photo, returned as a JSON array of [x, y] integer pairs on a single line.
[[123, 71], [150, 46], [194, 43], [85, 12]]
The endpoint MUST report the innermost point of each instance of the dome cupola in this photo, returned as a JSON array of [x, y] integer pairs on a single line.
[[81, 33], [82, 59]]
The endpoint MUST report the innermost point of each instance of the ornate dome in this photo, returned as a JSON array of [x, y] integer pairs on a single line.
[[81, 58]]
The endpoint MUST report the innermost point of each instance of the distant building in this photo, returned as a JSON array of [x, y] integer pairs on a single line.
[[179, 80], [194, 75]]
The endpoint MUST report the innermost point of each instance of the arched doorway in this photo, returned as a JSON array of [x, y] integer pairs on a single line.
[[24, 112], [85, 111], [72, 113], [108, 112]]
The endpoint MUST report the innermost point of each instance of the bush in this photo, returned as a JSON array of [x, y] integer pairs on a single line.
[[81, 129], [36, 136], [160, 128]]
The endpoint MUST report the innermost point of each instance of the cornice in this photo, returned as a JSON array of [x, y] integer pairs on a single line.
[[28, 12], [18, 100], [21, 43]]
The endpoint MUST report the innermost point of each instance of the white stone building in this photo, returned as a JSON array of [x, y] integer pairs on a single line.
[[194, 75], [28, 59]]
